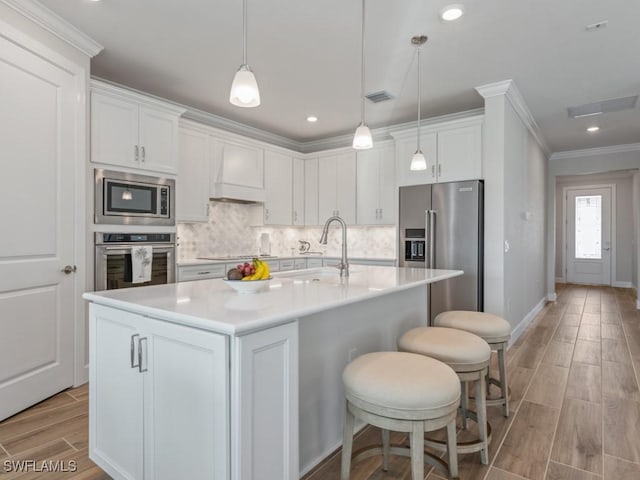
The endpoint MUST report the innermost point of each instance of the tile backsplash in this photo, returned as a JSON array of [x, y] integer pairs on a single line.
[[229, 232]]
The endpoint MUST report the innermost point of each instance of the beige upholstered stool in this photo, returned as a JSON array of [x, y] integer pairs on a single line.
[[469, 356], [401, 392], [494, 330]]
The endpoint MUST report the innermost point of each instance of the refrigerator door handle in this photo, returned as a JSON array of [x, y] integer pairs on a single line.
[[431, 238]]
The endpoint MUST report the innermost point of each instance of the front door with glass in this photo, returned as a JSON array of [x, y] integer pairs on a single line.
[[588, 236]]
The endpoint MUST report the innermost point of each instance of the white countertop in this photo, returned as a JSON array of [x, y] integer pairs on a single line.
[[212, 305]]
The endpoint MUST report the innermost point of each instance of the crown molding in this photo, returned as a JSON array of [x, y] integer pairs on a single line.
[[55, 24], [508, 88], [598, 151]]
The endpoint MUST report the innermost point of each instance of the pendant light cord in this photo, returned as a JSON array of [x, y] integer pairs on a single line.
[[244, 32], [419, 97], [362, 63]]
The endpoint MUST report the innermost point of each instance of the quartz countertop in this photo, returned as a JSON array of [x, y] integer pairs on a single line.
[[212, 305]]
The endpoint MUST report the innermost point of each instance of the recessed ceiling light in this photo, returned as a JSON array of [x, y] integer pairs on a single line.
[[593, 129], [452, 12], [312, 119]]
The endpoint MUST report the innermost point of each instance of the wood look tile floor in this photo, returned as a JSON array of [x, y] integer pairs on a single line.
[[575, 403]]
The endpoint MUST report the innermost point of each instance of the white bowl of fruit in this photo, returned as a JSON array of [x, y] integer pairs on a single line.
[[249, 277]]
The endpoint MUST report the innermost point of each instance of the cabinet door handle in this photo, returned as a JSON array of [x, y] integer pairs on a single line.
[[295, 216], [266, 214], [439, 169], [433, 170], [140, 355], [133, 351], [137, 152], [380, 218], [144, 154]]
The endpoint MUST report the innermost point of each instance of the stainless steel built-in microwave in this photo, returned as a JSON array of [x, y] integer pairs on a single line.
[[130, 199]]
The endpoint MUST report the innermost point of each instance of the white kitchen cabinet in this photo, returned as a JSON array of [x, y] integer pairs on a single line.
[[315, 262], [187, 273], [300, 263], [298, 180], [453, 151], [278, 185], [192, 186], [337, 187], [406, 148], [287, 264], [131, 130], [460, 154], [311, 192], [163, 404], [376, 187]]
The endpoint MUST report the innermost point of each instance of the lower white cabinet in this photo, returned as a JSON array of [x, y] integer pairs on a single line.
[[287, 264], [159, 404], [187, 273]]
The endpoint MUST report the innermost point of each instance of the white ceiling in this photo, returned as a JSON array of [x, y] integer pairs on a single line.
[[306, 56]]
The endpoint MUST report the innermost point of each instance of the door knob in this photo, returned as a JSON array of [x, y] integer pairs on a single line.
[[70, 269]]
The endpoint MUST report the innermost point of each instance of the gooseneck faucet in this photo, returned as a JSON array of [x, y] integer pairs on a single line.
[[344, 263]]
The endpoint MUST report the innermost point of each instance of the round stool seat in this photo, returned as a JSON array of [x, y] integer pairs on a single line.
[[491, 328], [462, 351], [401, 385]]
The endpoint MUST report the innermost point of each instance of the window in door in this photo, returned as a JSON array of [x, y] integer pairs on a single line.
[[588, 221]]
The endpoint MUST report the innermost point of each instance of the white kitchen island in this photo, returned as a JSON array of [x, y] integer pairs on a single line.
[[193, 380]]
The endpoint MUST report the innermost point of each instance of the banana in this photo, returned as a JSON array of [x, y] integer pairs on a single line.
[[259, 270], [265, 272]]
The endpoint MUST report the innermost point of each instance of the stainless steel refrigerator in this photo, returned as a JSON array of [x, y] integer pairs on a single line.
[[441, 226]]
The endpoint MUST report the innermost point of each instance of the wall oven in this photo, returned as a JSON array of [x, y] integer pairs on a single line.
[[113, 268], [129, 199]]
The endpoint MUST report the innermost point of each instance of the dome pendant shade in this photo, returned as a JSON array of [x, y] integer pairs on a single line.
[[244, 89], [418, 162], [362, 139]]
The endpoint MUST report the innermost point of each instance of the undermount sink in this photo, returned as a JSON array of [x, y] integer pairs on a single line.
[[316, 274]]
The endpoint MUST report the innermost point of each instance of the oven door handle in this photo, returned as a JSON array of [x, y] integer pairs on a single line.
[[159, 248]]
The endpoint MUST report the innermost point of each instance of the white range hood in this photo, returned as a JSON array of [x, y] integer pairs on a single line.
[[239, 175]]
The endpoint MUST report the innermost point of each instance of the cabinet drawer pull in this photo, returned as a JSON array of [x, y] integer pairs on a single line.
[[143, 154], [204, 273], [439, 169], [433, 170], [137, 152], [140, 355], [133, 350]]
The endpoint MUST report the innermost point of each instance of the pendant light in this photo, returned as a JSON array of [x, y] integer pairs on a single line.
[[244, 89], [362, 139], [418, 162]]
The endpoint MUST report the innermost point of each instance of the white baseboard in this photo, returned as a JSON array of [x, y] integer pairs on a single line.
[[524, 323], [561, 280], [82, 376], [322, 457], [622, 284], [552, 296]]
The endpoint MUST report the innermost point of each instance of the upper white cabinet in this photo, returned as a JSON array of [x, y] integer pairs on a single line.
[[453, 151], [279, 190], [311, 192], [460, 154], [192, 188], [134, 131], [376, 186], [337, 187], [298, 191]]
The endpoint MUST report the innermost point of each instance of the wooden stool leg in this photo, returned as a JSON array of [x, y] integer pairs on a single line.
[[417, 451], [452, 449], [481, 407], [347, 444], [504, 385], [385, 450], [463, 403]]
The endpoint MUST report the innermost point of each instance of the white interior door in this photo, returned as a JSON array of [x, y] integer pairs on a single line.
[[589, 236], [37, 152]]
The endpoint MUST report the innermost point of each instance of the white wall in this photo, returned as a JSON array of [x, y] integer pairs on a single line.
[[515, 171], [623, 221], [580, 163]]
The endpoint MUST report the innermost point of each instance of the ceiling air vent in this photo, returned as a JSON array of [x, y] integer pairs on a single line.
[[605, 106], [378, 97]]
